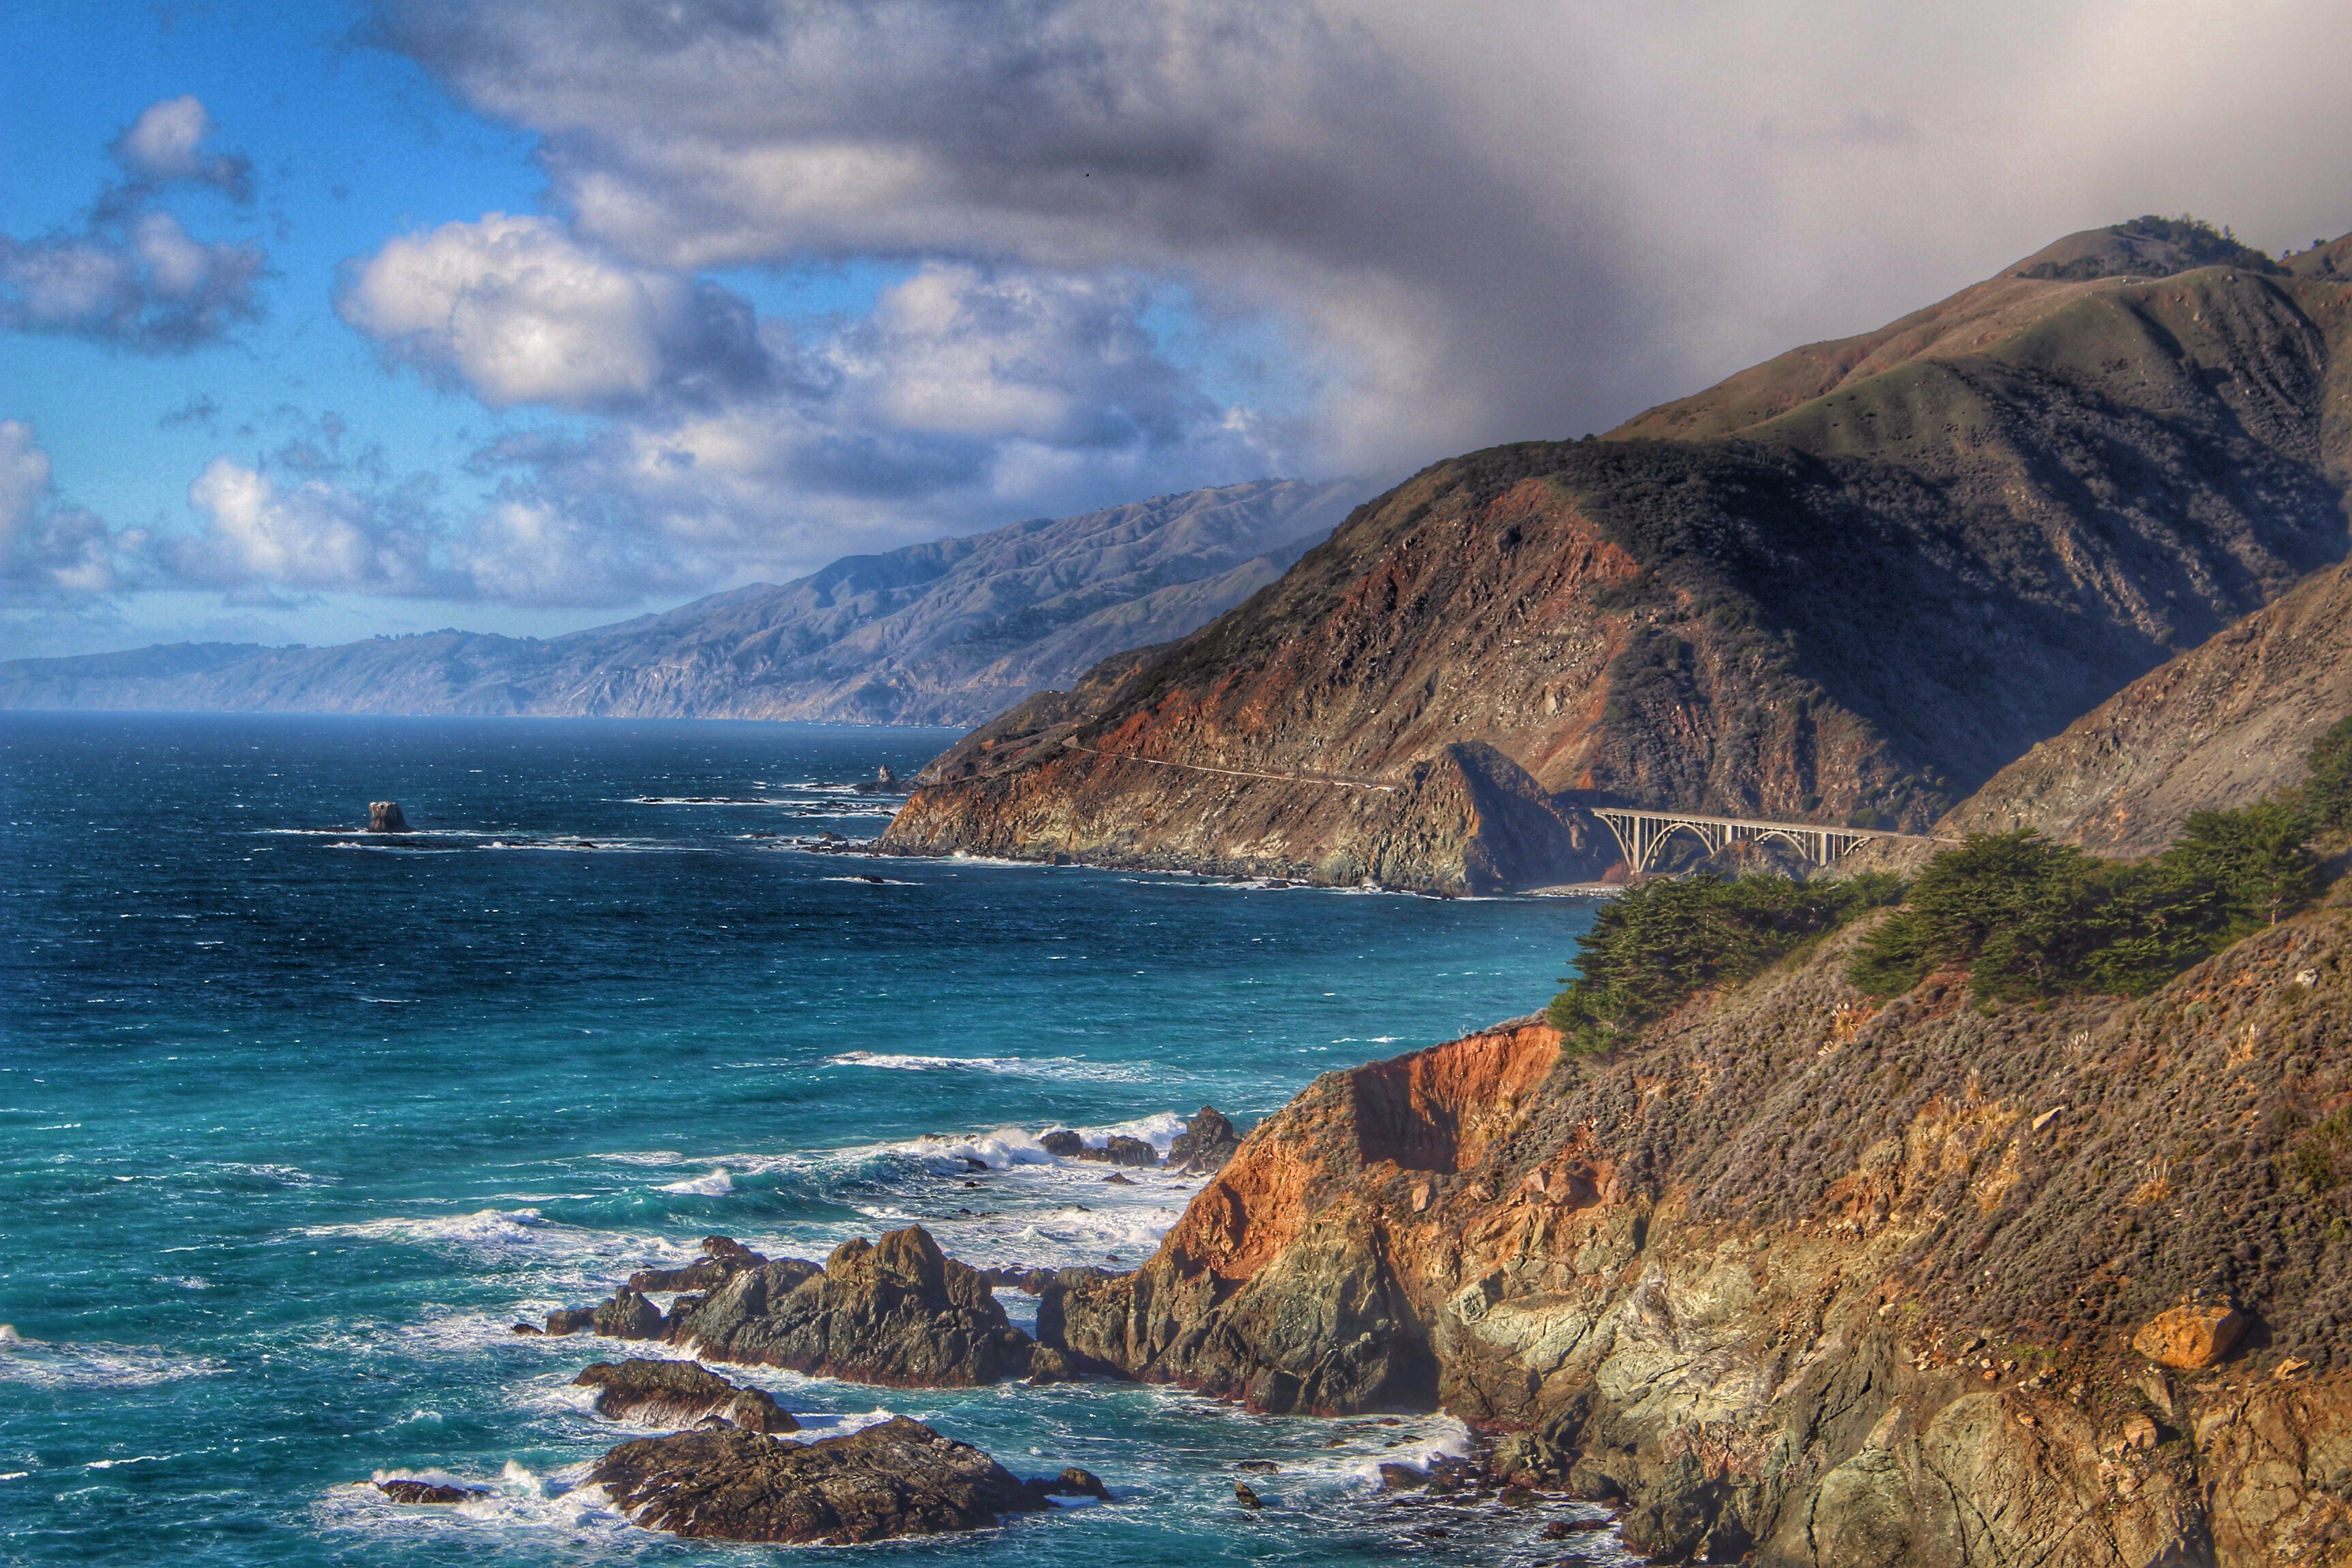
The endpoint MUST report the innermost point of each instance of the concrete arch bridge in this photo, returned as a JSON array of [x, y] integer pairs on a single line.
[[1639, 832]]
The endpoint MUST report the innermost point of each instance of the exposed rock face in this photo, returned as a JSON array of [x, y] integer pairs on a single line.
[[1831, 1283], [385, 816], [1207, 1142], [1850, 583], [679, 1394], [945, 633], [2224, 723], [2191, 1337], [899, 1478], [897, 1313]]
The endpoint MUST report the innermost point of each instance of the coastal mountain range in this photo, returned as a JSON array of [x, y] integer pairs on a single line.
[[1848, 585], [944, 633]]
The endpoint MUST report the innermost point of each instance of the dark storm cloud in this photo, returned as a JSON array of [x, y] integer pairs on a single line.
[[1483, 220]]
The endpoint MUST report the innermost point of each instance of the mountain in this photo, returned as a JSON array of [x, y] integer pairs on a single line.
[[2221, 725], [1846, 585], [944, 633]]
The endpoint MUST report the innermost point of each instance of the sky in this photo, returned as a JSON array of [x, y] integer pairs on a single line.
[[338, 319]]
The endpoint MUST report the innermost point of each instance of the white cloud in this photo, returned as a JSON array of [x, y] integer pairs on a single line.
[[133, 276], [161, 146], [314, 535], [517, 311], [47, 551]]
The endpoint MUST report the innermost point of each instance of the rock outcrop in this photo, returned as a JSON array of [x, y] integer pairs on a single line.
[[1846, 585], [897, 1313], [403, 1489], [898, 1478], [679, 1394], [385, 816], [1823, 1281], [1207, 1142]]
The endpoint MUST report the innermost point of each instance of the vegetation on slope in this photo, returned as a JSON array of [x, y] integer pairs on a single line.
[[1662, 939], [2030, 919]]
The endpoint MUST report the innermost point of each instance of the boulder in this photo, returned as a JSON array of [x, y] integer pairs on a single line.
[[1062, 1143], [385, 816], [898, 1478], [2190, 1337], [629, 1316], [1122, 1150], [406, 1491], [897, 1313], [1072, 1482], [572, 1321], [1207, 1142], [679, 1394]]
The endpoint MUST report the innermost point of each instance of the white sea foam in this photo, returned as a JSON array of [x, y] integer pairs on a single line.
[[872, 881], [482, 1228], [717, 1184], [518, 1498], [96, 1365], [1020, 1067]]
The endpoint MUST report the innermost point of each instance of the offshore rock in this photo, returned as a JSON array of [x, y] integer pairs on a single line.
[[679, 1394], [1207, 1142], [1121, 1149], [1819, 1280], [897, 1313], [722, 1257], [899, 1478], [385, 816], [404, 1490]]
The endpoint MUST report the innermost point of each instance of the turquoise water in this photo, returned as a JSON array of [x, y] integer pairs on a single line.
[[295, 1122]]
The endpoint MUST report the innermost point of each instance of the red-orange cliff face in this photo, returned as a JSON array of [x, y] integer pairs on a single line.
[[1856, 582], [1825, 1281]]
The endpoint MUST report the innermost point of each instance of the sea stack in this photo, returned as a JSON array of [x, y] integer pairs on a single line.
[[884, 776], [385, 816]]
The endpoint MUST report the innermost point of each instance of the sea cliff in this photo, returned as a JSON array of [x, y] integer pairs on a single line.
[[1829, 1282]]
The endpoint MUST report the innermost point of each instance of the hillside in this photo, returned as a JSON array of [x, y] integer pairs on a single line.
[[944, 633], [2219, 725], [1847, 585]]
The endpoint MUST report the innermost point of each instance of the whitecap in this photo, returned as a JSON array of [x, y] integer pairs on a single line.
[[719, 1183], [96, 1365], [1059, 1068]]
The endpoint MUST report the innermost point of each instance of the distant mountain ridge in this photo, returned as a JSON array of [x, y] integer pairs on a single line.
[[948, 632]]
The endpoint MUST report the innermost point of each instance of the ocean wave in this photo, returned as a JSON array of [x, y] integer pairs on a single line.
[[63, 1364], [1020, 1067], [717, 1184], [518, 1498]]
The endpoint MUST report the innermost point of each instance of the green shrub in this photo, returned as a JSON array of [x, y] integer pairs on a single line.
[[2327, 793], [2031, 920], [1662, 940]]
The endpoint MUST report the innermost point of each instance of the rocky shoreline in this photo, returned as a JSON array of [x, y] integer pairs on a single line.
[[1798, 1279]]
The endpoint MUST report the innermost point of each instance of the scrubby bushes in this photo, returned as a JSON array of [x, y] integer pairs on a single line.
[[1660, 940], [2031, 920]]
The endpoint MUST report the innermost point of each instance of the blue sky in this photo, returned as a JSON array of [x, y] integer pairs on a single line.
[[326, 320]]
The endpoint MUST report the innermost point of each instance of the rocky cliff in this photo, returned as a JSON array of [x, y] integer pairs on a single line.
[[945, 633], [1835, 1284], [1848, 585]]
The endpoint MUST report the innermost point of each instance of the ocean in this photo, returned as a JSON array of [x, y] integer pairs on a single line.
[[296, 1122]]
